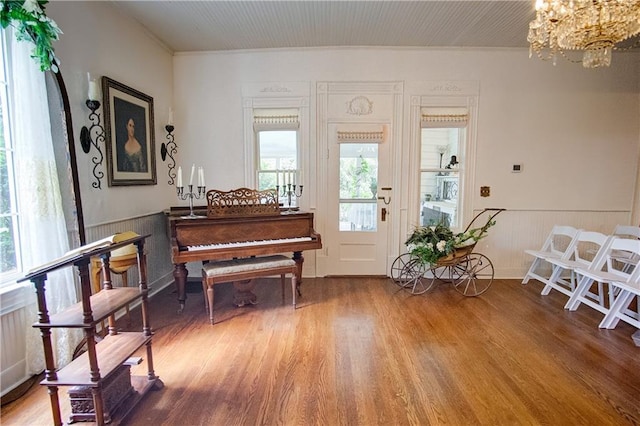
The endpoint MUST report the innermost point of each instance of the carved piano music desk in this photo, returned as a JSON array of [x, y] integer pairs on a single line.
[[238, 223]]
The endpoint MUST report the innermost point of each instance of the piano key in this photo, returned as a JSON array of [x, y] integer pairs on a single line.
[[247, 243]]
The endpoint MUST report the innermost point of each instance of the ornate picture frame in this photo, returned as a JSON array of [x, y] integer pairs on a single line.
[[129, 135]]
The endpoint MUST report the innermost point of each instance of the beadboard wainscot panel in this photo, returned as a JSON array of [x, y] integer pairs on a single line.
[[518, 230], [13, 321], [157, 246]]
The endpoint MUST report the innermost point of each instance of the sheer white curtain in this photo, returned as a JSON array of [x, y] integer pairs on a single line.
[[42, 223]]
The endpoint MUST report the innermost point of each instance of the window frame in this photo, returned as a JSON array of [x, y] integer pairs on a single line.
[[8, 278], [442, 94], [286, 96]]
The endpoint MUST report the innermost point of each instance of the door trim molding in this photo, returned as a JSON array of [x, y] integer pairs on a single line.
[[360, 106]]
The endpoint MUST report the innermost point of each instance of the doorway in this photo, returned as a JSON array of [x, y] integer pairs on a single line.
[[359, 200]]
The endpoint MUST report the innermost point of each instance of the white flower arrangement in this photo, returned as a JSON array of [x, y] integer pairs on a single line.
[[431, 243]]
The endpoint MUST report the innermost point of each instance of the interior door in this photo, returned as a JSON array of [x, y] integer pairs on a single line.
[[359, 201]]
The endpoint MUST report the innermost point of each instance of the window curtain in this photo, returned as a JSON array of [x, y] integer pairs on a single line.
[[42, 225]]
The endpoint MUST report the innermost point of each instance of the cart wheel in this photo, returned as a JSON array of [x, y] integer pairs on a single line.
[[398, 273], [477, 276], [419, 283]]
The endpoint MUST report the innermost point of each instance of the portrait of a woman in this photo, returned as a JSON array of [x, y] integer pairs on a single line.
[[130, 138], [133, 159]]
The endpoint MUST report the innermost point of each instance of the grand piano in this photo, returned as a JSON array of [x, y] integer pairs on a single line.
[[236, 228]]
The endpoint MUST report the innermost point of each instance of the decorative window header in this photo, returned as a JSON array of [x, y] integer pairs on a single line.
[[362, 137], [275, 119], [444, 117]]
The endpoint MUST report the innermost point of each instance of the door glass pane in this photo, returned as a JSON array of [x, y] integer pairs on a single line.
[[440, 190], [358, 186]]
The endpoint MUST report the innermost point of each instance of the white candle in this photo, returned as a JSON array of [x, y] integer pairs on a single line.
[[200, 177], [179, 184], [94, 94], [193, 170], [202, 172], [170, 121], [294, 176]]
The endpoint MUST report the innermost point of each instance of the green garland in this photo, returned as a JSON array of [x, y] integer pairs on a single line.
[[31, 23]]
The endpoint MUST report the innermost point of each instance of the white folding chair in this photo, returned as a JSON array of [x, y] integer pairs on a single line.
[[589, 247], [558, 245], [630, 232], [627, 291], [607, 271]]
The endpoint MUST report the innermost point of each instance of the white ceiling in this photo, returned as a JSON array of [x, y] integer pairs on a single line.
[[185, 26]]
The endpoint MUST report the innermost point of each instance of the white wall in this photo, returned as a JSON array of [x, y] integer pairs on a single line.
[[99, 39], [575, 131]]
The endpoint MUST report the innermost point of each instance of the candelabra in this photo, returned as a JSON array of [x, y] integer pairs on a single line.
[[93, 136], [190, 195], [289, 191], [168, 150]]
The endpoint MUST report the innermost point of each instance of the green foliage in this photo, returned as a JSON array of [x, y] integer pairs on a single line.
[[430, 243], [30, 23], [357, 178]]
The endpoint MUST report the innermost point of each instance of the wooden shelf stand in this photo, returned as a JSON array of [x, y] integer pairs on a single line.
[[103, 362]]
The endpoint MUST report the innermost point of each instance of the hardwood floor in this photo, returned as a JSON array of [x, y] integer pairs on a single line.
[[359, 352]]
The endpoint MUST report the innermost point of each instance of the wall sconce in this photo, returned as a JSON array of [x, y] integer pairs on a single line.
[[169, 149], [93, 135]]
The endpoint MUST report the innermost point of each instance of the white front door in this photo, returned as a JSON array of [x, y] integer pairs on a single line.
[[358, 219]]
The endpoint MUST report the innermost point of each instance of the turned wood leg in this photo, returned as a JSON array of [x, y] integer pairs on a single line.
[[294, 285], [299, 259], [180, 275], [210, 302], [55, 405]]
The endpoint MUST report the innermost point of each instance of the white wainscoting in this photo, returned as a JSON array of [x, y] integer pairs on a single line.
[[159, 275], [518, 230], [13, 347], [157, 246]]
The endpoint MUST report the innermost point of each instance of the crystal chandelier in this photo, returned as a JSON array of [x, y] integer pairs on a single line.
[[593, 26]]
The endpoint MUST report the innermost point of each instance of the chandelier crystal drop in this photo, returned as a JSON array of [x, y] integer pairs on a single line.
[[593, 26]]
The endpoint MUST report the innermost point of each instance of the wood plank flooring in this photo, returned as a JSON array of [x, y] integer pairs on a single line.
[[359, 351]]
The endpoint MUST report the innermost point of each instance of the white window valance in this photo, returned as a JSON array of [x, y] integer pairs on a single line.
[[276, 119], [362, 134], [443, 117]]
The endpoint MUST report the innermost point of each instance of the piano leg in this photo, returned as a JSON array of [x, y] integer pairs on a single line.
[[299, 259], [180, 275]]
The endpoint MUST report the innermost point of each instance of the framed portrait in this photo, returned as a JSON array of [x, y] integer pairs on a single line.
[[129, 135]]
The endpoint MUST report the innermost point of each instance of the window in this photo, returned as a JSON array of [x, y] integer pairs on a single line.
[[10, 261], [443, 135], [277, 153], [277, 135]]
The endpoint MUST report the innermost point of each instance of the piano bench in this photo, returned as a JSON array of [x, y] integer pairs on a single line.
[[225, 271]]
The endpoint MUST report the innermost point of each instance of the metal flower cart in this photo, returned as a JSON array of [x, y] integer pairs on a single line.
[[470, 273]]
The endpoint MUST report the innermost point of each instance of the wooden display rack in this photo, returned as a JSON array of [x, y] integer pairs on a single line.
[[102, 363]]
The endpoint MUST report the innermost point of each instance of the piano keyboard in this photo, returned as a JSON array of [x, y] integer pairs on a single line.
[[247, 243]]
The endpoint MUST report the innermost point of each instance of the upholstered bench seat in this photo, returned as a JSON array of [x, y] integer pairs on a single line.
[[246, 269]]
